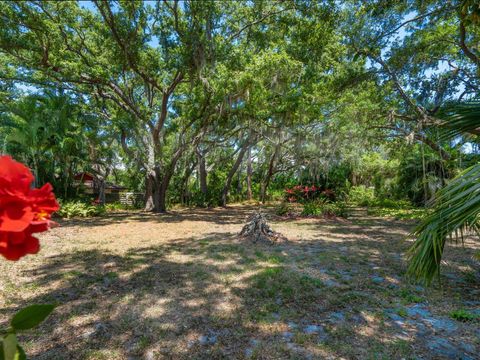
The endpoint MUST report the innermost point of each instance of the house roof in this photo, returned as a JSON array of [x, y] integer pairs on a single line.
[[86, 176], [83, 176]]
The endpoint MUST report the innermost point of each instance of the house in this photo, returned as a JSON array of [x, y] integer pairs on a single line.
[[88, 184], [85, 181]]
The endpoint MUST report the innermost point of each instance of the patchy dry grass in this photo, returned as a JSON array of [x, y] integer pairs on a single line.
[[183, 286]]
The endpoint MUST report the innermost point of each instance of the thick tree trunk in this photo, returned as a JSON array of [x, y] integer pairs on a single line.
[[249, 174], [231, 174], [164, 177], [160, 191], [153, 175], [161, 197], [149, 191]]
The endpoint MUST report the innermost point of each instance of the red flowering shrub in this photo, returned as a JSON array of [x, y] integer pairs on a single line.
[[23, 211], [300, 193]]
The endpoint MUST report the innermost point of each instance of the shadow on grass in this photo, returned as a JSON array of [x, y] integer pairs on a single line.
[[219, 216], [220, 298]]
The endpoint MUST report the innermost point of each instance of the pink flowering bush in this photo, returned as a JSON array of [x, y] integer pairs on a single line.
[[300, 193]]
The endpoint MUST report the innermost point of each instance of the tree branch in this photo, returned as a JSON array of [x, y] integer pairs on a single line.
[[253, 23], [464, 46]]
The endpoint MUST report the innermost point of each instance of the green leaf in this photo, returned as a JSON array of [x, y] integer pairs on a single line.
[[20, 355], [9, 346], [31, 316], [455, 211]]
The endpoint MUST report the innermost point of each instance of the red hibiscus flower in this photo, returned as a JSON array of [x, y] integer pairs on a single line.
[[23, 211]]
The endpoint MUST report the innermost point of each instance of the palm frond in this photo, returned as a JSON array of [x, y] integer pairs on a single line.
[[455, 212], [461, 118]]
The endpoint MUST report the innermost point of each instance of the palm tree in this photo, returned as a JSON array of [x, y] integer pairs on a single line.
[[456, 209], [48, 133]]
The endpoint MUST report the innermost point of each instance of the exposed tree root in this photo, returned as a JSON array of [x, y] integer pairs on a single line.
[[257, 230]]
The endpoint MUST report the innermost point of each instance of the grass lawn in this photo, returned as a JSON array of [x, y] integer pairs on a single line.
[[184, 286]]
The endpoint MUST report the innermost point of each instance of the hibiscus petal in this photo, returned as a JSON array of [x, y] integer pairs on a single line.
[[13, 246], [16, 238], [7, 249], [39, 226], [15, 217], [31, 245], [14, 176], [3, 240], [43, 199], [12, 253]]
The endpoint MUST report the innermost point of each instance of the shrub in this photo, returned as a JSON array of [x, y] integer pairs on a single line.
[[312, 208], [365, 196], [80, 209], [338, 208], [284, 208], [308, 193], [362, 195], [392, 204], [325, 208], [276, 194], [112, 207]]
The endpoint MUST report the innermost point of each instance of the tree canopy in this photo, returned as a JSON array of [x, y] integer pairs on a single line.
[[206, 102]]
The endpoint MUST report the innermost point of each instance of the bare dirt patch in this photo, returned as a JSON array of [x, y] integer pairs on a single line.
[[183, 285]]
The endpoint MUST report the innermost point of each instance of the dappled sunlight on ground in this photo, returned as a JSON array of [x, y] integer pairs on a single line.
[[183, 285]]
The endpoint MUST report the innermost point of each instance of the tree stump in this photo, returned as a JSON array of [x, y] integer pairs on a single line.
[[257, 230]]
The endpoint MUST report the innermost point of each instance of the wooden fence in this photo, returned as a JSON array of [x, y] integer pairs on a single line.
[[132, 199]]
